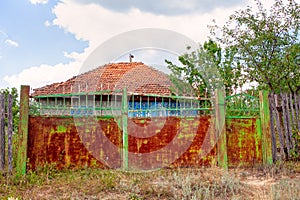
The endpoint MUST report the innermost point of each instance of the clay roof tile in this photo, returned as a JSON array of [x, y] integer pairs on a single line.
[[135, 76]]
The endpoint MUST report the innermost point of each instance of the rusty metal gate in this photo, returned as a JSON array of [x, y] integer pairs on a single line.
[[243, 130], [244, 140], [246, 126]]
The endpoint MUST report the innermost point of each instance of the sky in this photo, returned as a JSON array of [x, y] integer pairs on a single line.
[[47, 41]]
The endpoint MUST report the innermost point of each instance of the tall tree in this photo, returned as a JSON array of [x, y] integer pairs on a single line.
[[267, 44], [207, 68]]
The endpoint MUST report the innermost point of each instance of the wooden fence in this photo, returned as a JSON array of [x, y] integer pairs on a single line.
[[285, 125], [6, 131]]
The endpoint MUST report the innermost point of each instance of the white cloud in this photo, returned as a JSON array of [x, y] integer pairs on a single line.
[[38, 76], [42, 75], [47, 23], [11, 43], [38, 1], [165, 7], [96, 24]]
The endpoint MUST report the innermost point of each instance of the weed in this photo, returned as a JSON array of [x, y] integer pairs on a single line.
[[294, 152], [279, 181], [134, 197], [285, 189]]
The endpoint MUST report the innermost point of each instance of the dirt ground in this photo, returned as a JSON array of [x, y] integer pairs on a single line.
[[275, 182]]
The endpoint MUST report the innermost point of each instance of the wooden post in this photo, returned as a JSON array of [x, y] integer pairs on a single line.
[[297, 110], [285, 124], [265, 123], [23, 131], [273, 133], [220, 129], [9, 132], [278, 125], [289, 122], [2, 132], [293, 121], [124, 129]]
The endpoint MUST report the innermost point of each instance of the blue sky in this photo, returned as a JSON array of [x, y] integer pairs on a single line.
[[33, 43], [46, 41]]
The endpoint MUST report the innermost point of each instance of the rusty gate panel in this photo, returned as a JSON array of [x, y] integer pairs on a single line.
[[102, 137], [202, 151], [243, 142], [55, 141], [76, 143], [173, 141]]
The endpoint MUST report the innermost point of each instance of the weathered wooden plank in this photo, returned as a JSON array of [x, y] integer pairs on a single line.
[[2, 132], [292, 111], [298, 101], [298, 97], [272, 126], [288, 121], [9, 132], [286, 134], [278, 127], [297, 108]]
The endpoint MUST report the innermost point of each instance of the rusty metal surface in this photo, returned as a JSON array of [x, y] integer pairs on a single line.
[[174, 142], [202, 151], [243, 142], [55, 140]]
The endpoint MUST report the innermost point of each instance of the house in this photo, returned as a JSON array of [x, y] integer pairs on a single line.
[[100, 92]]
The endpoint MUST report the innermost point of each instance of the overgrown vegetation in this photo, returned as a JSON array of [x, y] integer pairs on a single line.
[[207, 68], [266, 43], [259, 47], [280, 181]]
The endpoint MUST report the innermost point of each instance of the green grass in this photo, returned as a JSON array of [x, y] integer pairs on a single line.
[[281, 181]]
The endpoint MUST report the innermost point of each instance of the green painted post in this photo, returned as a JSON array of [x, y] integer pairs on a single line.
[[23, 131], [265, 127], [220, 129], [124, 128]]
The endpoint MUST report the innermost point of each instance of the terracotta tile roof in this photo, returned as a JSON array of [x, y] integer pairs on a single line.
[[135, 76]]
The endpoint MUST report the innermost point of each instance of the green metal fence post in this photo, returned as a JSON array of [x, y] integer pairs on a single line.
[[220, 129], [23, 131], [124, 128], [265, 127]]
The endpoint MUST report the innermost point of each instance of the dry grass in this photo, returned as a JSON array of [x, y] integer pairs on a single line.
[[281, 181]]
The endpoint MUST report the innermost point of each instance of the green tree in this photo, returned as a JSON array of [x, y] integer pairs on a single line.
[[266, 44], [207, 68], [188, 79], [15, 105]]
